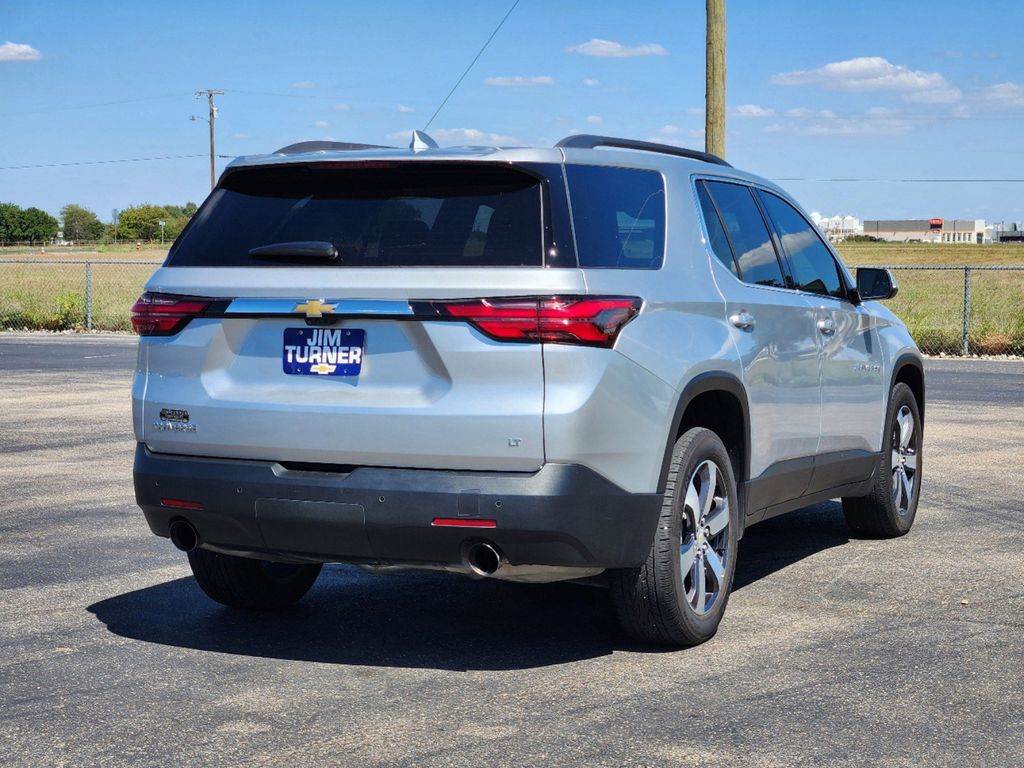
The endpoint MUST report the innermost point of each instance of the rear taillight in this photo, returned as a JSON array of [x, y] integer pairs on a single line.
[[162, 314], [586, 320]]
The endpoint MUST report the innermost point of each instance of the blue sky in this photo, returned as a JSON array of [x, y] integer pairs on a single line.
[[868, 89]]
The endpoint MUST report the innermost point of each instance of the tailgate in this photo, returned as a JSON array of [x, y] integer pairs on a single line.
[[429, 393]]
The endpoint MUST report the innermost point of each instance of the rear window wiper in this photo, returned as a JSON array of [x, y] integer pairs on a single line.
[[299, 249]]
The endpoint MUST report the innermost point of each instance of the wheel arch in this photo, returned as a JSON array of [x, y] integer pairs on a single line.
[[718, 401], [909, 370]]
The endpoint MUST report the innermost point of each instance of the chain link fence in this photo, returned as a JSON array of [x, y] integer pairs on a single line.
[[950, 310], [70, 294], [962, 310]]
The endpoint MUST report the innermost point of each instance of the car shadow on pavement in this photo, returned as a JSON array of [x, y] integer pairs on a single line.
[[781, 541], [433, 620]]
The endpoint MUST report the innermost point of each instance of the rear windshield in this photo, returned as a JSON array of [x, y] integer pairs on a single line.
[[619, 216], [374, 215]]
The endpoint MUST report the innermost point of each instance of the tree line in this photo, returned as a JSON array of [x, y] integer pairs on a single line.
[[77, 223]]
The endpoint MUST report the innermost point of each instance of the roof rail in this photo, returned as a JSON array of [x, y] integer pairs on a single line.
[[321, 146], [589, 141]]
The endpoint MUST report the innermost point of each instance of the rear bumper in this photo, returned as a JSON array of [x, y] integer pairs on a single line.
[[561, 515]]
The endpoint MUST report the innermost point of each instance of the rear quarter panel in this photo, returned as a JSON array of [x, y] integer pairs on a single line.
[[613, 411]]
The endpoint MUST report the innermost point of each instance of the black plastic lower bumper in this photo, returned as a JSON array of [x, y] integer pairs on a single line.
[[563, 514]]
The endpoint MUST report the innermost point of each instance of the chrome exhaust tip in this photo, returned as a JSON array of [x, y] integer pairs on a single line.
[[184, 535], [483, 559]]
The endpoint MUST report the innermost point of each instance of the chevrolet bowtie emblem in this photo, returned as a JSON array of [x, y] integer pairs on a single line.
[[322, 368], [315, 308]]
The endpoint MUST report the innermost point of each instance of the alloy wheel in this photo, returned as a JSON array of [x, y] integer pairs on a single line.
[[704, 549], [904, 460]]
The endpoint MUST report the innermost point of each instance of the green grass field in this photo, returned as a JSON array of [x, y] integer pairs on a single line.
[[52, 296], [931, 302]]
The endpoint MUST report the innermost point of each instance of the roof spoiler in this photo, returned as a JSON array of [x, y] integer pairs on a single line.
[[325, 146], [589, 141]]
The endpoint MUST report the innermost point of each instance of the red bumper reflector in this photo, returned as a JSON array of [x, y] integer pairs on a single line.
[[463, 522], [181, 504]]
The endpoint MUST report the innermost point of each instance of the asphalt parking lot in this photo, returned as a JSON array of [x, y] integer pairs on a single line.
[[834, 650]]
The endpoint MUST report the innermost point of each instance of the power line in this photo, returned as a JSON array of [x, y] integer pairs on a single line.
[[893, 117], [105, 162], [282, 95], [475, 58], [95, 105]]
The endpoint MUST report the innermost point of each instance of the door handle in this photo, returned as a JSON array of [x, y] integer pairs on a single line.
[[827, 326], [742, 320]]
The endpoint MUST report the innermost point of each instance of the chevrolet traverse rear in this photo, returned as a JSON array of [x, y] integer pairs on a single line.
[[508, 363]]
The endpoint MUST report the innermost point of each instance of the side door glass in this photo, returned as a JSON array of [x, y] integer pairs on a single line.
[[718, 240], [756, 259], [812, 264]]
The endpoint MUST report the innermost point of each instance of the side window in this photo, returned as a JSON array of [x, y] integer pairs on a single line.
[[619, 215], [755, 253], [814, 269], [716, 232]]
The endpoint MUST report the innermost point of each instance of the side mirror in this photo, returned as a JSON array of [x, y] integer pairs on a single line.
[[875, 283]]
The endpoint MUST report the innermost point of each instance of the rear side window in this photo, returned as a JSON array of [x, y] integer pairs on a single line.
[[619, 216], [374, 214], [719, 241], [813, 267], [752, 245]]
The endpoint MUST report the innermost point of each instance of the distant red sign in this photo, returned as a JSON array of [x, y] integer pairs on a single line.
[[935, 223]]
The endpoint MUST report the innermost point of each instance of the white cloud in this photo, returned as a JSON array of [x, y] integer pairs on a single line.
[[303, 84], [240, 136], [599, 47], [18, 52], [1000, 95], [595, 119], [404, 108], [472, 136], [877, 121], [591, 82], [803, 112], [752, 110], [518, 81], [946, 95], [672, 134], [866, 73], [342, 108], [461, 136], [695, 111], [322, 124]]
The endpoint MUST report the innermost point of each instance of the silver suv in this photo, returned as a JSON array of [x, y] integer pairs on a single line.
[[603, 359]]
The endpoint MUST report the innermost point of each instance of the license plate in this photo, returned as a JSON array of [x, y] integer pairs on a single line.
[[323, 351]]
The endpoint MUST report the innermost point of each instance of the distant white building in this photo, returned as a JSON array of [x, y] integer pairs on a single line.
[[838, 228], [928, 230]]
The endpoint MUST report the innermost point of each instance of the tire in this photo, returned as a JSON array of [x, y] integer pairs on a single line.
[[889, 510], [242, 582], [661, 601]]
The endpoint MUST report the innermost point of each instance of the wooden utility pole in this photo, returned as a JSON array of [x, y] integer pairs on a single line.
[[209, 93], [714, 101]]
